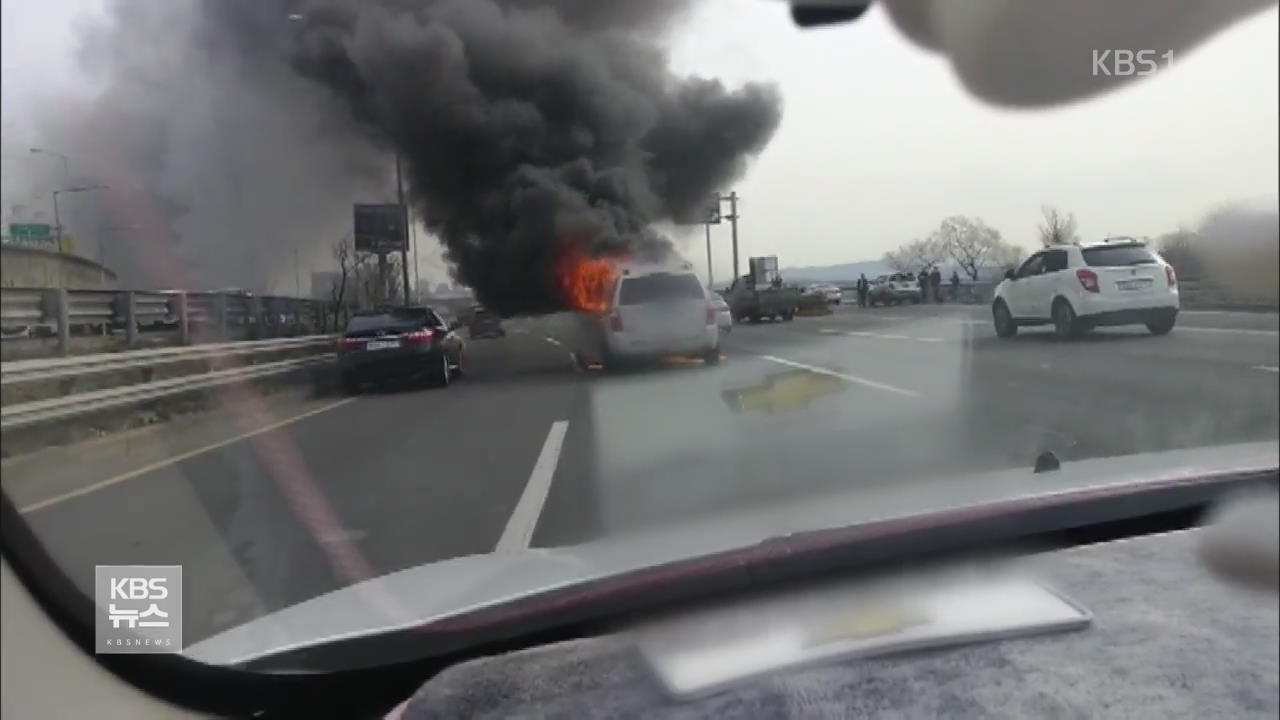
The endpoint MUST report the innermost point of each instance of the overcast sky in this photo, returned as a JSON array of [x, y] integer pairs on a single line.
[[879, 142]]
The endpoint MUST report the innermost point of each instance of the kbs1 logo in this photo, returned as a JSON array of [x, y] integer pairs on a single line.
[[1124, 63], [138, 608]]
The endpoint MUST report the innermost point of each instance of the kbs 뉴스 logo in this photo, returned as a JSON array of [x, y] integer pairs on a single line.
[[138, 608]]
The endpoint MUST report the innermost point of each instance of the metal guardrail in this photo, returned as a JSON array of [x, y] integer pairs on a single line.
[[21, 371], [16, 416], [38, 312]]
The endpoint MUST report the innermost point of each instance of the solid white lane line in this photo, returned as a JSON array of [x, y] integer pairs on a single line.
[[178, 458], [1267, 368], [843, 376], [1242, 331], [519, 530]]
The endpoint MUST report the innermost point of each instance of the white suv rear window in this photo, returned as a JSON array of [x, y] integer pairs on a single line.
[[659, 286], [1118, 256]]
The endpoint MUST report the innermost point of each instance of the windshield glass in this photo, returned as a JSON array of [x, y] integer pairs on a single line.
[[1118, 256], [222, 219]]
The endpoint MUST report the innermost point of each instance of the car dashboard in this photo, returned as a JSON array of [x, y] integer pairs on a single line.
[[1169, 639]]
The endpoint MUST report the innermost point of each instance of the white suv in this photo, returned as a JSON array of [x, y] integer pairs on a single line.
[[1076, 288], [656, 311]]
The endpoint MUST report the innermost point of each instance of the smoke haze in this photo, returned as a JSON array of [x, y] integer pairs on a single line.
[[523, 124]]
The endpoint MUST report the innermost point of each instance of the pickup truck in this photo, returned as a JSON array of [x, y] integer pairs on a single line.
[[749, 302]]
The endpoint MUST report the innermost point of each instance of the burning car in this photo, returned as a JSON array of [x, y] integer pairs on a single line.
[[632, 311]]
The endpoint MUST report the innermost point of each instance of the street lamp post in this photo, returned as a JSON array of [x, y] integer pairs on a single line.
[[57, 217], [66, 161]]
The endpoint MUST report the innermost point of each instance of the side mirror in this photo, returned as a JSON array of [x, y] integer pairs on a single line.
[[1010, 275]]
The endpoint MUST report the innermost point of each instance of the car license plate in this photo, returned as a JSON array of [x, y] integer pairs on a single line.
[[382, 344], [1139, 284]]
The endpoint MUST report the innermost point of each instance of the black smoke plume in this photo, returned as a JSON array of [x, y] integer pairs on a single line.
[[522, 124], [524, 121]]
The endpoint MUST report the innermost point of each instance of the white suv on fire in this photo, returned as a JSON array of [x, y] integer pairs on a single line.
[[654, 311], [1079, 287]]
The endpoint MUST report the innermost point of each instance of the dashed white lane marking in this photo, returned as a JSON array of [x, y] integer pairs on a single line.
[[878, 336], [1242, 331], [1267, 368], [179, 458], [843, 376], [519, 530], [553, 341]]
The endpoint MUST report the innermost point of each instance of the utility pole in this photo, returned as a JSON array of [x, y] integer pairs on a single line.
[[297, 275], [413, 232], [733, 220], [710, 279], [57, 216], [404, 231]]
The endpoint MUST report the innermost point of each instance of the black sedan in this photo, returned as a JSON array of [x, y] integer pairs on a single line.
[[399, 342]]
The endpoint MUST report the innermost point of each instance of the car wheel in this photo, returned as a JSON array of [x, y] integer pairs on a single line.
[[711, 356], [1064, 319], [443, 374], [1003, 319], [458, 369], [1162, 326], [786, 316]]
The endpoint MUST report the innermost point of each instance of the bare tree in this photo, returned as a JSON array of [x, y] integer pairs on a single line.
[[915, 255], [1058, 228], [973, 245], [343, 255]]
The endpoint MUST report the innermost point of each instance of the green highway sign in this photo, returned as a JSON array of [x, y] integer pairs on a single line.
[[30, 232]]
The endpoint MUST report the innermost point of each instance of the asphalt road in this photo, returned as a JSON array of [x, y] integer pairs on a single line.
[[267, 504]]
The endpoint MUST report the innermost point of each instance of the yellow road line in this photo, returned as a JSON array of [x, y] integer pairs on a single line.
[[177, 458]]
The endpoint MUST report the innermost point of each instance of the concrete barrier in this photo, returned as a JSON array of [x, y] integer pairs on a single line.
[[30, 267]]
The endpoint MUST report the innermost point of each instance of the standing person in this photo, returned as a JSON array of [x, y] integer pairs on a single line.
[[935, 280], [923, 281], [955, 285], [863, 288]]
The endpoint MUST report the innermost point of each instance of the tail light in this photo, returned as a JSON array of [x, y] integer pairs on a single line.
[[1171, 276], [711, 315], [1088, 280], [615, 323], [346, 343], [419, 337]]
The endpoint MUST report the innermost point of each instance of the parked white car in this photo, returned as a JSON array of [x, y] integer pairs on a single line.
[[831, 293], [724, 316], [1078, 287]]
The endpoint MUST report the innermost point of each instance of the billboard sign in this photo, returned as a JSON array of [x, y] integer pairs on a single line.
[[713, 210], [380, 228], [707, 213]]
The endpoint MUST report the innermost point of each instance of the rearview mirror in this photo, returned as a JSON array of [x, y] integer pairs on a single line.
[[1010, 275]]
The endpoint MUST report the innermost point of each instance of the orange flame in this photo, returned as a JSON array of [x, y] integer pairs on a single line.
[[585, 282]]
